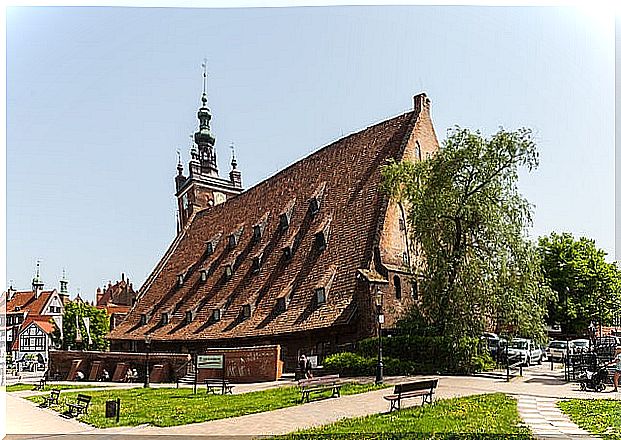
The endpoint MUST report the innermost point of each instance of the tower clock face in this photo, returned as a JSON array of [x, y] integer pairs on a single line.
[[218, 198]]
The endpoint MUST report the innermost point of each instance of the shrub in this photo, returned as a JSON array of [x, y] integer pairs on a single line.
[[349, 364]]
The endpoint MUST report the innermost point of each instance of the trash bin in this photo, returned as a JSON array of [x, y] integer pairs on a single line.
[[113, 408]]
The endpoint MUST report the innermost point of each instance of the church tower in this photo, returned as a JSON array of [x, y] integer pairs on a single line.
[[203, 187]]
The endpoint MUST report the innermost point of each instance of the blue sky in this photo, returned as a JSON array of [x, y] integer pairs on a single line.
[[100, 99]]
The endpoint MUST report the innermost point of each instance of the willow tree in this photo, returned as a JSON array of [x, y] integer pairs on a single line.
[[468, 222]]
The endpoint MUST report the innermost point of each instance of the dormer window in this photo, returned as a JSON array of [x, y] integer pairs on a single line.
[[165, 318], [189, 316], [216, 315], [18, 308], [282, 303], [284, 221], [228, 271], [204, 273], [287, 253], [314, 206], [209, 249], [320, 295], [246, 311], [144, 318], [180, 280], [256, 263], [322, 240], [232, 241], [257, 232]]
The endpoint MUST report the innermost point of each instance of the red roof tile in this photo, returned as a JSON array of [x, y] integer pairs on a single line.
[[345, 179], [26, 301]]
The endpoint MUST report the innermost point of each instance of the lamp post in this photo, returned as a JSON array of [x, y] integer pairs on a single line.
[[147, 344], [379, 302], [566, 334]]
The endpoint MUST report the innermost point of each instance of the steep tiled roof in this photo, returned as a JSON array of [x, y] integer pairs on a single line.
[[344, 179], [44, 322], [26, 301]]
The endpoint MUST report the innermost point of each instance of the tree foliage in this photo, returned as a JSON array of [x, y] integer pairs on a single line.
[[588, 288], [468, 223], [99, 327]]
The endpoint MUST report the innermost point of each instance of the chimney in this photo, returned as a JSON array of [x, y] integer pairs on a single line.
[[421, 101], [122, 276]]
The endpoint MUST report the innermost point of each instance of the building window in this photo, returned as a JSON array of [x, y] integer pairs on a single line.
[[284, 221], [415, 290], [216, 315], [180, 280], [246, 311], [256, 264], [287, 253], [314, 206], [204, 275], [322, 240], [256, 233], [405, 259], [282, 303], [401, 224], [189, 316], [228, 271], [397, 282], [143, 318], [209, 249], [165, 318], [320, 295]]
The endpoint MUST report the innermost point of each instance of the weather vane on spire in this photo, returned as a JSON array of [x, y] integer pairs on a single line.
[[204, 65], [233, 160]]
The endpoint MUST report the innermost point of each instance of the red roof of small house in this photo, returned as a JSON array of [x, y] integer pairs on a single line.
[[26, 301]]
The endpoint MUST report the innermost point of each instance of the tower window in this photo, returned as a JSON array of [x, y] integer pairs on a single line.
[[415, 290], [397, 282], [320, 295]]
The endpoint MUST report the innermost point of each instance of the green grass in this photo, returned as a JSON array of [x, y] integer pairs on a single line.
[[480, 416], [172, 407], [598, 416], [30, 386]]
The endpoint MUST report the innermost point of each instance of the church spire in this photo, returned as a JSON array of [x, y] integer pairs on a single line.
[[234, 174], [37, 284], [203, 138]]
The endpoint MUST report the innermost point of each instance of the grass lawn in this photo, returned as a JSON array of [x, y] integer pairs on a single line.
[[598, 416], [30, 386], [172, 406], [481, 416]]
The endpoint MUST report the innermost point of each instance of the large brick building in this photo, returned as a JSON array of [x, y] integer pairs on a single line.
[[295, 260]]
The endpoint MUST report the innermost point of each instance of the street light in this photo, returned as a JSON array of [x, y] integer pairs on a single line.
[[379, 302], [147, 344], [566, 334]]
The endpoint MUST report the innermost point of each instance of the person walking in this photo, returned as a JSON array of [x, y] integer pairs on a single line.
[[617, 363]]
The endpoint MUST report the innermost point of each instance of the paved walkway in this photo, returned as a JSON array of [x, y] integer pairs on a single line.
[[539, 385]]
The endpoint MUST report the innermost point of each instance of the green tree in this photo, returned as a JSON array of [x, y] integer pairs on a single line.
[[588, 288], [99, 327], [468, 223]]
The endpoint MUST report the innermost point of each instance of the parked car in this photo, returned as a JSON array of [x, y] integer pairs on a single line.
[[557, 350], [581, 345], [526, 349], [495, 344]]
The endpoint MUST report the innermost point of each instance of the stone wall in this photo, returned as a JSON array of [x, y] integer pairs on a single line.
[[246, 364]]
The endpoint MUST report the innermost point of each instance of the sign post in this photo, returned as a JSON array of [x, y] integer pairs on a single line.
[[212, 362]]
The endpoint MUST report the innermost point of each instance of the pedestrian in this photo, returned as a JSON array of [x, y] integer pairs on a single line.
[[617, 362], [302, 365], [309, 372]]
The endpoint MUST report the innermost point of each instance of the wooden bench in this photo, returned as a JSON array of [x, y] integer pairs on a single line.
[[81, 405], [220, 384], [320, 384], [40, 386], [52, 399], [406, 390]]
